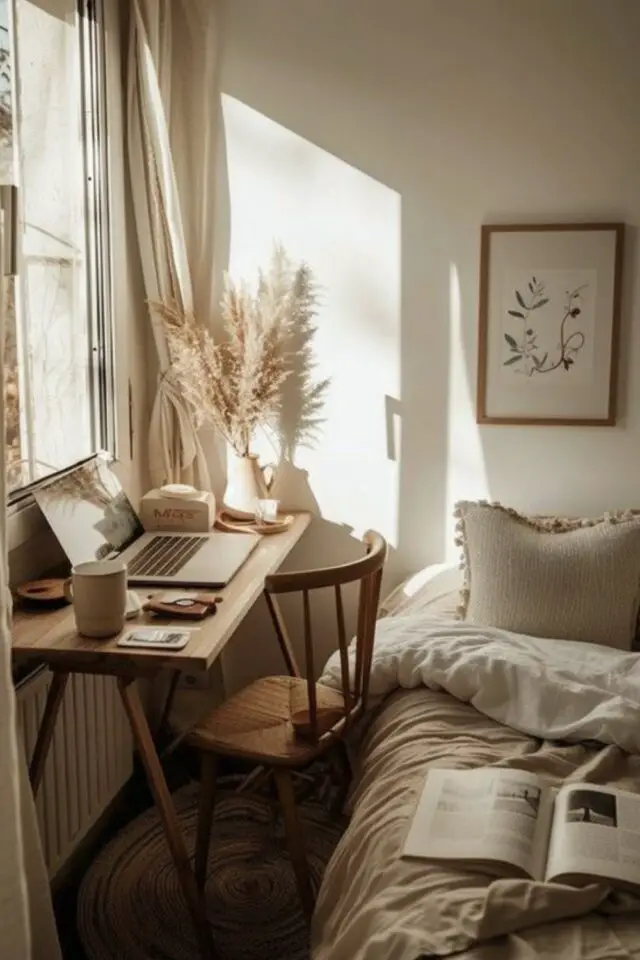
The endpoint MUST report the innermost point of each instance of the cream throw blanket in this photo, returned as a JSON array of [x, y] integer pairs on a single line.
[[552, 689]]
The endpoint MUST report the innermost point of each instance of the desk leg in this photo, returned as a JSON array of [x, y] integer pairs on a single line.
[[47, 727], [168, 704], [171, 826]]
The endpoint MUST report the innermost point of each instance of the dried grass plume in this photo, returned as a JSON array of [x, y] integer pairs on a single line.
[[236, 385]]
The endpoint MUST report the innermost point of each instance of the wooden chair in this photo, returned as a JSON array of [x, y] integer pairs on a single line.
[[283, 723]]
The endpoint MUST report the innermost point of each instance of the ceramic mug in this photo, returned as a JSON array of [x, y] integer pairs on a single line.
[[98, 592]]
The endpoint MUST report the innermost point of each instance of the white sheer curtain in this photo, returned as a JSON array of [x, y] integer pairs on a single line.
[[171, 118], [27, 928]]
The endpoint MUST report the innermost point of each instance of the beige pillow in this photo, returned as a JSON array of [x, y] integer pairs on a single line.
[[565, 579]]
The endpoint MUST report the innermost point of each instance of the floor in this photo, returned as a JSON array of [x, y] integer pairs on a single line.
[[67, 932], [136, 799], [179, 769]]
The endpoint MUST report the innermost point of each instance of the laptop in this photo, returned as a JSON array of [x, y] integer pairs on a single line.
[[93, 519]]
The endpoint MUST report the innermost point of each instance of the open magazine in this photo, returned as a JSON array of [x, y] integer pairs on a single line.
[[509, 818]]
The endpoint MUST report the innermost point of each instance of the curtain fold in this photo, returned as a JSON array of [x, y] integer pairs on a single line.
[[161, 207], [193, 129], [27, 926]]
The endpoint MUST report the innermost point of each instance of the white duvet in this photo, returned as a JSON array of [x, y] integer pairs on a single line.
[[552, 689]]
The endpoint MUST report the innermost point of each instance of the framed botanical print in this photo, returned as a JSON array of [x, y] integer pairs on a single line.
[[549, 323]]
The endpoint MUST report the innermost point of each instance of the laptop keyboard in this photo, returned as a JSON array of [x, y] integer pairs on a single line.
[[164, 556]]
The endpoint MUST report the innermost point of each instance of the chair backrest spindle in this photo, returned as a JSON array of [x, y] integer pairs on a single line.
[[360, 630], [344, 652], [311, 673], [373, 586], [280, 628]]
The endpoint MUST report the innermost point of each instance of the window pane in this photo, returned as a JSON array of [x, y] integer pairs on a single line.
[[54, 262], [51, 362]]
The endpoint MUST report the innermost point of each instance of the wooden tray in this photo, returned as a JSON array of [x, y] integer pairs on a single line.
[[233, 525], [43, 594]]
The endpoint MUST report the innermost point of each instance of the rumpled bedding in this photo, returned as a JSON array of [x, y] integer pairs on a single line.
[[375, 906], [553, 689]]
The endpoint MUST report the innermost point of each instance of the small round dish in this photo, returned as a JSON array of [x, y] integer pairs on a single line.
[[233, 525]]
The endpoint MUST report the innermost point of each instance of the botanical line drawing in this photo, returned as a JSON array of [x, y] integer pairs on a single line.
[[525, 351]]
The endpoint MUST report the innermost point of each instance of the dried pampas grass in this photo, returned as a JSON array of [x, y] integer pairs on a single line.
[[236, 385]]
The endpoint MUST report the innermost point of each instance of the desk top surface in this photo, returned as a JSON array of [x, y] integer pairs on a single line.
[[52, 636]]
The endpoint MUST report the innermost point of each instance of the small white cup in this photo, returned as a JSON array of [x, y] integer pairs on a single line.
[[267, 510], [98, 592]]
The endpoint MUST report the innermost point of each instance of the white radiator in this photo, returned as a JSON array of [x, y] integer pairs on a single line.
[[90, 758]]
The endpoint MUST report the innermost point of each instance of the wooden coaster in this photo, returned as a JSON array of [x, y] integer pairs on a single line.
[[251, 525], [43, 593]]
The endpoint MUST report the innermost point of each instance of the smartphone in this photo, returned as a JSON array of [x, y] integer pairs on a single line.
[[166, 638]]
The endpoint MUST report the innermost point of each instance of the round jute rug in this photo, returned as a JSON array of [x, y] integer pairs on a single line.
[[130, 905]]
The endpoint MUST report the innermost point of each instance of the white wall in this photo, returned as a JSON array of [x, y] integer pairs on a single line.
[[374, 139]]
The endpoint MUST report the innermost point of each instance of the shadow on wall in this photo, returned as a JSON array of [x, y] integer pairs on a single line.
[[331, 445], [299, 438], [348, 227]]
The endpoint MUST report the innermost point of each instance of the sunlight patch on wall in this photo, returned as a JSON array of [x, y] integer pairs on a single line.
[[346, 225], [466, 472]]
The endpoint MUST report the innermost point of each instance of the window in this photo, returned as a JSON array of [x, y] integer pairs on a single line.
[[58, 348]]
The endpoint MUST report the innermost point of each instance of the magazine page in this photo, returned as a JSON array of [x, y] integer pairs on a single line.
[[596, 832], [482, 814]]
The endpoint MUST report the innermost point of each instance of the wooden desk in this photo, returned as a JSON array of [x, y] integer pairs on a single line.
[[51, 638]]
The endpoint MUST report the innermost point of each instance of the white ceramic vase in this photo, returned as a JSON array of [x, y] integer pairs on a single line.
[[245, 485]]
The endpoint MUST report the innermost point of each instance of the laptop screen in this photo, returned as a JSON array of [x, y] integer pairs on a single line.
[[89, 512]]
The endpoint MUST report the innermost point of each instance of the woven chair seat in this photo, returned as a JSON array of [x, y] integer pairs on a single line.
[[268, 722]]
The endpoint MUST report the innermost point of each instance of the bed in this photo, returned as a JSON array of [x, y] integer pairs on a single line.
[[373, 905]]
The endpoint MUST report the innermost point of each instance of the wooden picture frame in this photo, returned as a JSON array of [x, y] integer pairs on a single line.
[[549, 323]]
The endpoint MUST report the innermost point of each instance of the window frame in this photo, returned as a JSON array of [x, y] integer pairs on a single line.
[[98, 237]]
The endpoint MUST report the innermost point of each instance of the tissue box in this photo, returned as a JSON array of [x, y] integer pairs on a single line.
[[195, 514]]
